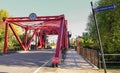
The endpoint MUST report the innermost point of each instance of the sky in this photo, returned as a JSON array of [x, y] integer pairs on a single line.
[[75, 11]]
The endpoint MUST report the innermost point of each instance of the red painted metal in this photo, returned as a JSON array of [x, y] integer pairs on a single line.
[[63, 39], [39, 18], [6, 38], [19, 24], [56, 58], [67, 40], [41, 40], [17, 37], [26, 37], [35, 31], [66, 36], [46, 25]]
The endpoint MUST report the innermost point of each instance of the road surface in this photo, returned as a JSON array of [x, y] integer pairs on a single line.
[[25, 62]]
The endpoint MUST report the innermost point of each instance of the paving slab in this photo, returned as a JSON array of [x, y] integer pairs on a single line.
[[71, 70], [74, 60]]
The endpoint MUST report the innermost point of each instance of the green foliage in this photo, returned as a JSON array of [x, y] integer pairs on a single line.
[[52, 44], [109, 27], [3, 13], [87, 40], [80, 41], [11, 39], [72, 41]]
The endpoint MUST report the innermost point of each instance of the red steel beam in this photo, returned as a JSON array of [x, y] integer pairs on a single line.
[[27, 20], [35, 32], [66, 35], [63, 39], [66, 40], [57, 54], [39, 18], [40, 40], [6, 39], [25, 37], [17, 37], [42, 43], [19, 24]]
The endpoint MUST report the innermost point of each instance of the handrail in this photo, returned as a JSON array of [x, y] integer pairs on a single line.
[[94, 57]]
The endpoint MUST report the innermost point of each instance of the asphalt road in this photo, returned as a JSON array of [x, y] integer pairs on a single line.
[[25, 62], [36, 62]]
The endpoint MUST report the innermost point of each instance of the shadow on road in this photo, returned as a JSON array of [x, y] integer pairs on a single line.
[[29, 58]]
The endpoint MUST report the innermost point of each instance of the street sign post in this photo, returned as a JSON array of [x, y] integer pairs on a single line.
[[94, 10], [104, 8]]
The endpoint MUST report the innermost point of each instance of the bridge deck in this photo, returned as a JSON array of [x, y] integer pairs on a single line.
[[36, 61], [24, 61]]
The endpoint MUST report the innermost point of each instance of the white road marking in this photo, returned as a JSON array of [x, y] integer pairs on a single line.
[[41, 66]]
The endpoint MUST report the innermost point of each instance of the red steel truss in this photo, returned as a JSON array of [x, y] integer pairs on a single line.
[[46, 25]]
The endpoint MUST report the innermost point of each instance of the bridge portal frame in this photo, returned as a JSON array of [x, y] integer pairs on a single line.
[[61, 30]]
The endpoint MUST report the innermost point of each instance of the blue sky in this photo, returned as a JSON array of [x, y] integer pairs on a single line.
[[75, 11]]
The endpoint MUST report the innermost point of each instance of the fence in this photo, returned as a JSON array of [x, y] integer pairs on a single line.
[[90, 55], [112, 60]]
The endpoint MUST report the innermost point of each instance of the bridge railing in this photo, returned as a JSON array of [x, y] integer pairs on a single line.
[[90, 55], [112, 60], [94, 57]]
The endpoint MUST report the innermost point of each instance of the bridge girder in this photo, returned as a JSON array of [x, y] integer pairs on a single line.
[[50, 25]]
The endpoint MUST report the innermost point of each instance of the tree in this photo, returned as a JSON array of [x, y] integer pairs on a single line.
[[88, 43], [109, 26], [3, 13], [12, 40], [72, 41], [92, 32]]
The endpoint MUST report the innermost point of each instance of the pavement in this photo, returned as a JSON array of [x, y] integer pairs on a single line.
[[74, 60], [74, 63], [71, 70]]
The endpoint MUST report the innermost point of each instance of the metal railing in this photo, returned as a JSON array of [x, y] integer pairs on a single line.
[[89, 54], [112, 60], [93, 56]]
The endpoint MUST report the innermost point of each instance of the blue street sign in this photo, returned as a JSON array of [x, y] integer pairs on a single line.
[[32, 16], [105, 8]]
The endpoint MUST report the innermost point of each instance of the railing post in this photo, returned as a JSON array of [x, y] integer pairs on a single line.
[[94, 56], [99, 56]]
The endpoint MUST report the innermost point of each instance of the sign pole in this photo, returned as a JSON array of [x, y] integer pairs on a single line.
[[99, 38]]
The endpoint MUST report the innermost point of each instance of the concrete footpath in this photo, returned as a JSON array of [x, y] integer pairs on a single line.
[[71, 70], [74, 60]]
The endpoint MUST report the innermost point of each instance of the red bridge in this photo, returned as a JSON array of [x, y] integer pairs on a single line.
[[41, 26], [36, 61]]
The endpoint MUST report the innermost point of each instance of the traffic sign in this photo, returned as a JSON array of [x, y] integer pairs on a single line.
[[32, 16], [109, 7]]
